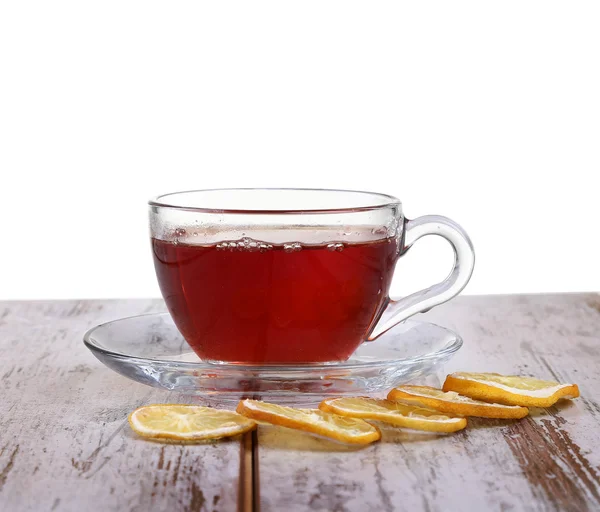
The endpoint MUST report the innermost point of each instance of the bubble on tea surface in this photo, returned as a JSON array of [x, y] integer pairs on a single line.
[[392, 227], [179, 233], [335, 247], [248, 244], [223, 246], [292, 247], [381, 230], [244, 245]]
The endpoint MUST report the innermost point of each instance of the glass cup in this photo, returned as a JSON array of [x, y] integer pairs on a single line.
[[289, 276]]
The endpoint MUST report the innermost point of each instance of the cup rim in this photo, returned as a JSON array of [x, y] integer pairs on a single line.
[[385, 201]]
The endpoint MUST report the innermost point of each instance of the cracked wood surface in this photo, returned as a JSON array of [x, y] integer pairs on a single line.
[[548, 461], [64, 439], [65, 443]]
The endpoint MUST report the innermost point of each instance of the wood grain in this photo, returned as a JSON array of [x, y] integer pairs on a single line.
[[64, 439], [548, 461], [65, 444]]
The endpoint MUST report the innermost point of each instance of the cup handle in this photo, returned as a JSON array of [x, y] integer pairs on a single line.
[[422, 301]]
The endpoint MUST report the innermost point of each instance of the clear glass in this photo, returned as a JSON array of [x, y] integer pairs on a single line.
[[202, 217], [149, 349], [290, 276]]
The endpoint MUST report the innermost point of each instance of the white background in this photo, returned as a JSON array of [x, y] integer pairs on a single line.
[[487, 112]]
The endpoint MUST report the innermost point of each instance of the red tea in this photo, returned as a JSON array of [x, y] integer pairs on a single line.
[[255, 302]]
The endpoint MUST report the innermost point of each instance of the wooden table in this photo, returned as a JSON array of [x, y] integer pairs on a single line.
[[65, 443]]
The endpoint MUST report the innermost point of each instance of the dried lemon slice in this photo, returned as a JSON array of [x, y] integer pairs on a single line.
[[347, 430], [187, 423], [450, 402], [401, 415], [509, 389]]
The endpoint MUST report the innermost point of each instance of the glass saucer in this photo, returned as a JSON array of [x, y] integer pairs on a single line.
[[149, 349]]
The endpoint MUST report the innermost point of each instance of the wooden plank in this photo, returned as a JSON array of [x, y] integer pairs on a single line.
[[549, 461], [249, 491], [64, 439]]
